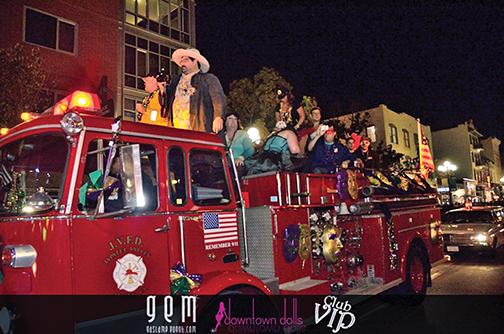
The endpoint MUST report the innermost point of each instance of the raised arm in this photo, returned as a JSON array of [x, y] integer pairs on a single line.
[[319, 133], [302, 117]]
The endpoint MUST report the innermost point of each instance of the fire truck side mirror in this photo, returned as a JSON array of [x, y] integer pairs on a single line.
[[38, 202], [131, 175]]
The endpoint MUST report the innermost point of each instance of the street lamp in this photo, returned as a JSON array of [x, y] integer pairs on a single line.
[[448, 168]]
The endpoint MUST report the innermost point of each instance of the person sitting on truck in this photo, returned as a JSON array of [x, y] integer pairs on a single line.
[[238, 140], [326, 153], [289, 110], [307, 133], [365, 154], [280, 152]]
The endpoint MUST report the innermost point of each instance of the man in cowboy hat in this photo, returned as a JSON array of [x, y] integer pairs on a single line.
[[196, 98]]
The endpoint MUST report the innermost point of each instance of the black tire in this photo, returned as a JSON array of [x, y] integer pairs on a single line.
[[417, 276], [405, 293]]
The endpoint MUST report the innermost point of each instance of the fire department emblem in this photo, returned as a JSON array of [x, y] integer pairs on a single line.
[[129, 272]]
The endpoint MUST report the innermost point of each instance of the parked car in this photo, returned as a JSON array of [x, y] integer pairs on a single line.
[[473, 228]]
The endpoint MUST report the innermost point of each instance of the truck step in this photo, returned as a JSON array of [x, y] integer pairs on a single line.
[[301, 284]]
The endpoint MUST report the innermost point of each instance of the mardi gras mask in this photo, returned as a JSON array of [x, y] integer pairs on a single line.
[[291, 242], [304, 242], [332, 244]]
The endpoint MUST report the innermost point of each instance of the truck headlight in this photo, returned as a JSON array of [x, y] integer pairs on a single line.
[[481, 238], [72, 124]]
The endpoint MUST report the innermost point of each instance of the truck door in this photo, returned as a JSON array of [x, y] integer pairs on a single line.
[[33, 171], [118, 251], [206, 218]]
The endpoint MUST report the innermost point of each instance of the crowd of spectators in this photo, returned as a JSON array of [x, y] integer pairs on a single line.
[[300, 142]]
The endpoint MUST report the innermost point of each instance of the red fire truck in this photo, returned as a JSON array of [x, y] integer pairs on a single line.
[[95, 206]]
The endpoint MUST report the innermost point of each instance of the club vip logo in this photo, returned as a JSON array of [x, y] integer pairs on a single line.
[[336, 313]]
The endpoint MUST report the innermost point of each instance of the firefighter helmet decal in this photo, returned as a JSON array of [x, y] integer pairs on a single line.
[[129, 272]]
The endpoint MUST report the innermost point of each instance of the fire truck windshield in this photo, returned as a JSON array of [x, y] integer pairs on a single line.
[[114, 188], [29, 165]]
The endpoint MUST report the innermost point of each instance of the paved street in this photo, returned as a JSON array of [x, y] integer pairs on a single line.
[[466, 297], [470, 274]]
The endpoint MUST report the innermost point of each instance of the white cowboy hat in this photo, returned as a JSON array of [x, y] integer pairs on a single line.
[[193, 53]]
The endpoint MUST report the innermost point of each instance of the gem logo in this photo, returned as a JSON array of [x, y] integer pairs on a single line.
[[129, 272]]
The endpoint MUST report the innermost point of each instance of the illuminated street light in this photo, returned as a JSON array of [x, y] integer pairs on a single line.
[[448, 168], [254, 135]]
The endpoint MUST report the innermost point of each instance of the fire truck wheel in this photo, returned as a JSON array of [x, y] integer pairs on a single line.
[[417, 275], [239, 300]]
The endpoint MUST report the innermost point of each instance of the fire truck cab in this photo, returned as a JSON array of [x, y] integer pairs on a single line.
[[95, 206]]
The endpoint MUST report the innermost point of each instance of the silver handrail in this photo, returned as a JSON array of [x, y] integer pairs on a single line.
[[246, 260]]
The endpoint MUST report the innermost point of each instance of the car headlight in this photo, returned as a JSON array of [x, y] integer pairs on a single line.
[[481, 238]]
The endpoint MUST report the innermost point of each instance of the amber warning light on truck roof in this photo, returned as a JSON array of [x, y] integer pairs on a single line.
[[78, 101]]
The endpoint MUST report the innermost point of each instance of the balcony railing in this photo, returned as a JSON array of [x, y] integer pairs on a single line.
[[477, 146]]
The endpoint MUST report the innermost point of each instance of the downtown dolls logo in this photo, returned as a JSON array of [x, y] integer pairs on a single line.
[[229, 320], [336, 313]]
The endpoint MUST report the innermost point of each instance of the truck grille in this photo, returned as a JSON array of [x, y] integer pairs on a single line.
[[458, 239]]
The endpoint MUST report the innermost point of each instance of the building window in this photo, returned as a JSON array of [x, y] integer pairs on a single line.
[[142, 56], [130, 108], [48, 97], [393, 134], [371, 133], [406, 138], [49, 31], [166, 17]]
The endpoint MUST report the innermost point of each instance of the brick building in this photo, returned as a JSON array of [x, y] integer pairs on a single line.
[[82, 42]]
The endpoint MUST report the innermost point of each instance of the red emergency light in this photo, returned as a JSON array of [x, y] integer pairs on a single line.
[[79, 101]]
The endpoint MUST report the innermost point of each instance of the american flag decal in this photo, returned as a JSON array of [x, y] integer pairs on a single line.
[[220, 228]]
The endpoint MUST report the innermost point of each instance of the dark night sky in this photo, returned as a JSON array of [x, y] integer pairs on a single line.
[[441, 63]]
